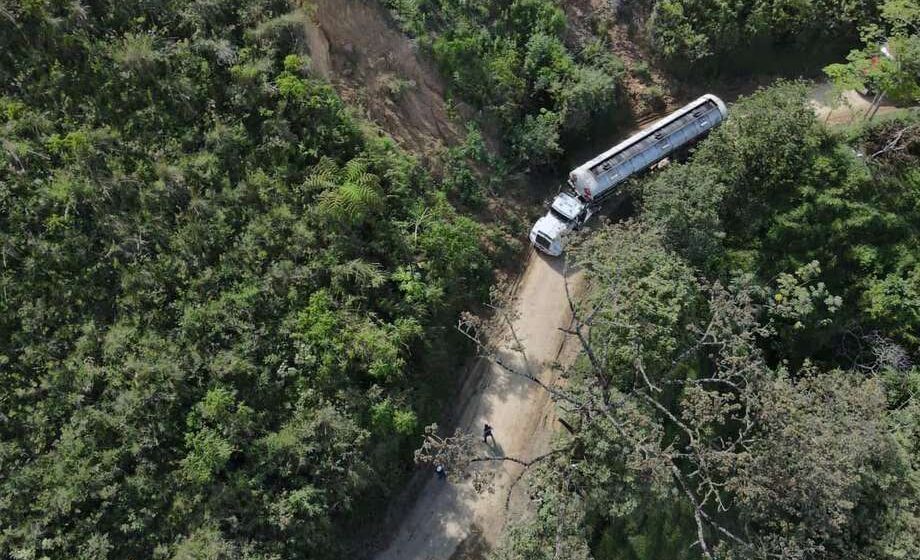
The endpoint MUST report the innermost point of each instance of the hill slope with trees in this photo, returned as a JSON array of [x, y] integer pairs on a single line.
[[222, 301], [227, 305], [510, 59]]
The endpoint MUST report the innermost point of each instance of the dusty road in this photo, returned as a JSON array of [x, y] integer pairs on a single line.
[[451, 520], [851, 106]]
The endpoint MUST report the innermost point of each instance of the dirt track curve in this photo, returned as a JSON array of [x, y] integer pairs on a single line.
[[849, 107], [452, 520]]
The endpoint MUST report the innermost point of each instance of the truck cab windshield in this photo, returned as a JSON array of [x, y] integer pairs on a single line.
[[560, 216], [566, 208]]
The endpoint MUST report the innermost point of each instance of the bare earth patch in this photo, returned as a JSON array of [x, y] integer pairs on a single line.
[[849, 107], [355, 45]]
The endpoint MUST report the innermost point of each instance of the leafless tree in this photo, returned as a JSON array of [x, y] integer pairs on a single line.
[[725, 397]]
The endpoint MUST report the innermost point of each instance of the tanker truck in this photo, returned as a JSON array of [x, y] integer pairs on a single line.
[[596, 179]]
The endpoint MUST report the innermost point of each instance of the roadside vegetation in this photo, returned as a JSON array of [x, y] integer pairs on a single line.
[[509, 58], [888, 64], [691, 32], [747, 381], [224, 302]]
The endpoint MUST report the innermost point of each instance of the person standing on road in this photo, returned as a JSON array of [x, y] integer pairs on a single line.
[[487, 433]]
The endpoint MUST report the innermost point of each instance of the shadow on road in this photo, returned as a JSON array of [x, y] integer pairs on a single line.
[[474, 547]]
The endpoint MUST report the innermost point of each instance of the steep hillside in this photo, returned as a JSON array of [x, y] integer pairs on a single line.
[[379, 70], [225, 308]]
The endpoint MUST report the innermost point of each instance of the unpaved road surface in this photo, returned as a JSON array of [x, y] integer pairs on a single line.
[[452, 521], [850, 107]]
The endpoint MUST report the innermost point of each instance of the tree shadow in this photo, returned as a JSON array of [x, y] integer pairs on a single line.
[[473, 547]]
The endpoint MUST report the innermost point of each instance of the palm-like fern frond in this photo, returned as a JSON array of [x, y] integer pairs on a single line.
[[362, 273], [322, 176], [350, 194], [350, 202], [356, 172]]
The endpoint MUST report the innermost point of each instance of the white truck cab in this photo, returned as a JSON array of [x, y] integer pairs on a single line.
[[566, 213]]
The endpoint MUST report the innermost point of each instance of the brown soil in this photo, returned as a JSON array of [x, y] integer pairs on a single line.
[[583, 15], [376, 69], [847, 107]]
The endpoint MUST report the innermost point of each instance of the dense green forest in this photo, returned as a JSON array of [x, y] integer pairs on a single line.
[[227, 302], [690, 31], [747, 378], [223, 300]]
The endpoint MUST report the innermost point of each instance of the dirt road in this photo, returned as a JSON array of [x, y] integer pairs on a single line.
[[451, 520], [850, 107]]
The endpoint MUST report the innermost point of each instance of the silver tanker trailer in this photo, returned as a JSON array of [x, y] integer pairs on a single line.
[[596, 179]]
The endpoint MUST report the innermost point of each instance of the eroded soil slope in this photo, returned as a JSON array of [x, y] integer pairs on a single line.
[[355, 45], [647, 89]]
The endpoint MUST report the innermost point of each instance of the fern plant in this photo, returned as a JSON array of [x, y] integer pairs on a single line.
[[349, 195]]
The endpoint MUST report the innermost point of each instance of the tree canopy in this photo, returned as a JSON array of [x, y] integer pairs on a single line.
[[738, 393], [511, 59], [690, 31], [222, 298], [889, 62]]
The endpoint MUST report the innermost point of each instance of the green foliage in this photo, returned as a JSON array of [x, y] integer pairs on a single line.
[[674, 35], [387, 418], [896, 74], [777, 191], [688, 31], [462, 175], [822, 456], [655, 291], [775, 186], [747, 352], [509, 58], [555, 531], [217, 296], [684, 202], [677, 405], [537, 139], [658, 529]]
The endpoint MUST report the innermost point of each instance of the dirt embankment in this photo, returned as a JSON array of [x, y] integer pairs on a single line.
[[646, 87], [377, 69]]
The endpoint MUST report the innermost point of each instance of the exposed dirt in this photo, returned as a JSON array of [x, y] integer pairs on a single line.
[[451, 520], [646, 87], [355, 45], [849, 107]]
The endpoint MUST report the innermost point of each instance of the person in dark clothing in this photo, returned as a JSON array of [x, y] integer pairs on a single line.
[[442, 474], [487, 433]]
